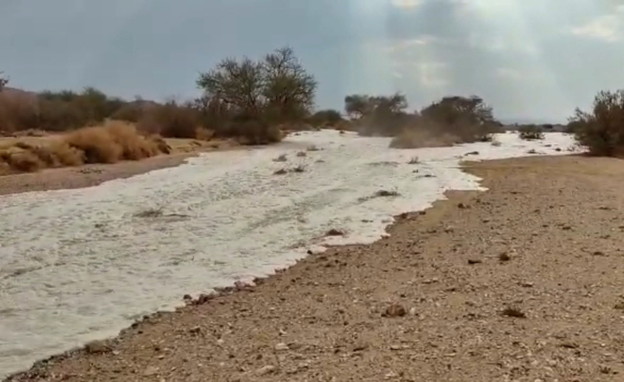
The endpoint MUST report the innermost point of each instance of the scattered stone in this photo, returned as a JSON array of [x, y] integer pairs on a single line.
[[413, 311], [281, 171], [386, 193], [95, 347], [566, 227], [187, 297], [504, 257], [302, 154], [513, 312], [299, 169], [268, 369], [281, 158], [473, 262], [334, 232], [472, 153], [599, 253], [391, 375], [395, 310], [281, 347], [150, 371], [619, 306], [195, 330], [463, 206], [526, 285], [204, 298]]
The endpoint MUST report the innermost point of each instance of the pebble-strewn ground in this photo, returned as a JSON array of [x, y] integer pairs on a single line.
[[524, 282]]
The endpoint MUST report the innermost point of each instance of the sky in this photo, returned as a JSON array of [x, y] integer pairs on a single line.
[[529, 59]]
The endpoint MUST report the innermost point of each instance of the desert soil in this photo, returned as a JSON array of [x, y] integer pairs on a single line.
[[94, 174], [520, 283]]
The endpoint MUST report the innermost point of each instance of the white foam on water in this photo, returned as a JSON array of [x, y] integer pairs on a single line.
[[78, 265]]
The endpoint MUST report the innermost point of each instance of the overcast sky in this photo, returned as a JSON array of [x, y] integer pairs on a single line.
[[528, 58]]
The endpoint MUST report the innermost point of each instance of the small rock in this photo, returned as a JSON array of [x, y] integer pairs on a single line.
[[462, 206], [268, 369], [473, 261], [413, 311], [395, 310], [150, 371], [513, 312], [95, 347], [195, 330], [334, 232], [472, 153], [391, 375], [281, 346], [187, 297], [504, 257], [526, 285]]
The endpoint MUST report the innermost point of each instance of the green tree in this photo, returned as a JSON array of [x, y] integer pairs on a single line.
[[602, 130], [288, 89], [237, 84]]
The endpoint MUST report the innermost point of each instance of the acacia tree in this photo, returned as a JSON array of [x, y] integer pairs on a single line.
[[276, 88], [455, 109], [288, 89], [237, 84]]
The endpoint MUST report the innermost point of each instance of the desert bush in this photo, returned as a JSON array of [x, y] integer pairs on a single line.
[[413, 138], [531, 132], [325, 118], [21, 160], [112, 142], [254, 132], [170, 120], [602, 130], [96, 143], [17, 112], [65, 154], [204, 134], [133, 145]]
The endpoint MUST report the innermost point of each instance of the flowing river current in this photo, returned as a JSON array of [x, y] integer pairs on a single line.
[[78, 265]]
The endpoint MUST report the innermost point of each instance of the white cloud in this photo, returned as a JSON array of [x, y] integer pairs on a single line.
[[406, 4], [429, 74], [607, 28], [508, 73], [400, 46]]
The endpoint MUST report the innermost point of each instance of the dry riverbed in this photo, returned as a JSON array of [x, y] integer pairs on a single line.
[[520, 283]]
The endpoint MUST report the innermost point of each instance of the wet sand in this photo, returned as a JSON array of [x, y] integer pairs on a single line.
[[520, 283]]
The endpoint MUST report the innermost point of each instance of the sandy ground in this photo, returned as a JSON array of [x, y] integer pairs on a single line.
[[520, 283], [94, 174]]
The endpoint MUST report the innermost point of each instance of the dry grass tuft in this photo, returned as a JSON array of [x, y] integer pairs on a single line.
[[96, 143], [21, 160], [109, 143], [133, 145]]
